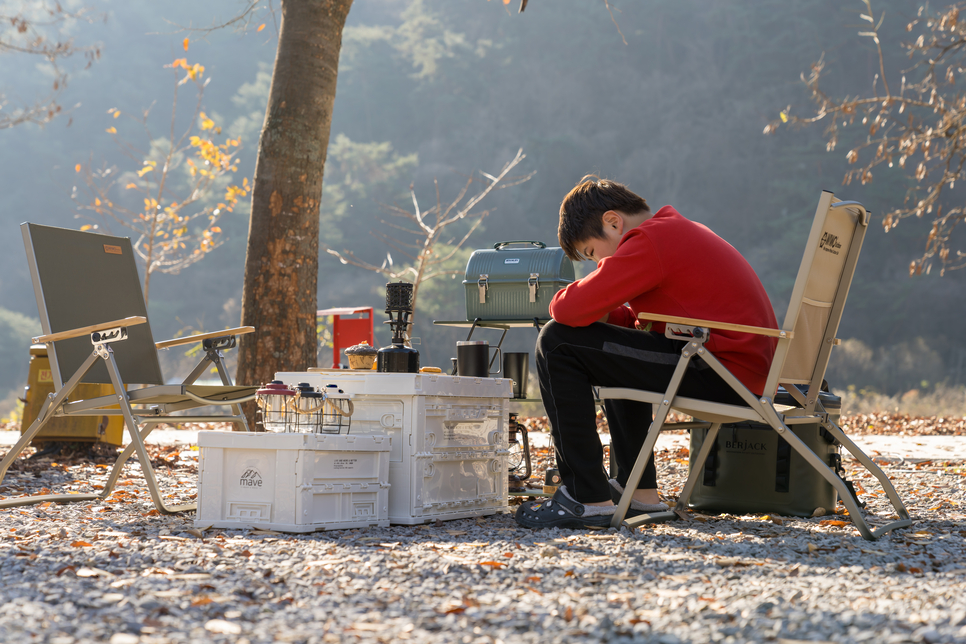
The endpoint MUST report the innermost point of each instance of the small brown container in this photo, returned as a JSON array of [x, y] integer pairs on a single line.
[[361, 356]]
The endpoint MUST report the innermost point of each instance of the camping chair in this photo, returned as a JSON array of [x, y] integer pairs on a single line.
[[805, 341], [95, 326]]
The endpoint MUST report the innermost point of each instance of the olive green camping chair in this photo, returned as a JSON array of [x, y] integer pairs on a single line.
[[95, 326], [805, 341]]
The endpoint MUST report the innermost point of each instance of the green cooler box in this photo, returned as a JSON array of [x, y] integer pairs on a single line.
[[753, 470], [514, 282]]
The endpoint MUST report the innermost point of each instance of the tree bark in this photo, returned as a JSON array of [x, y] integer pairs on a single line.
[[281, 265]]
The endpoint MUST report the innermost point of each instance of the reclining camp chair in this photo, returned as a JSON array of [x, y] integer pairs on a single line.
[[805, 341], [95, 326]]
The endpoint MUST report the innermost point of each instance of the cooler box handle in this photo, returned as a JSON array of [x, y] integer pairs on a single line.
[[500, 245]]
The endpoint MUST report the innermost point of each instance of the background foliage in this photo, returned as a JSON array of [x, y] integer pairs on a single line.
[[430, 89]]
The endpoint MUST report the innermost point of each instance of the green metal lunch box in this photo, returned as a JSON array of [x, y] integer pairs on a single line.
[[514, 282], [752, 470]]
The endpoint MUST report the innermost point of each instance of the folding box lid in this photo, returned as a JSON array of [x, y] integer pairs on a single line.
[[294, 441], [364, 382]]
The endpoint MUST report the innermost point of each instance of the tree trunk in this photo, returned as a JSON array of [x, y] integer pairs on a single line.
[[281, 266]]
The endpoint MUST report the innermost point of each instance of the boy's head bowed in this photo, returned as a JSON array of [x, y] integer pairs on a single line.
[[582, 210]]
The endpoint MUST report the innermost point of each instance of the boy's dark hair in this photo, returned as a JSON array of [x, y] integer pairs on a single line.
[[582, 210]]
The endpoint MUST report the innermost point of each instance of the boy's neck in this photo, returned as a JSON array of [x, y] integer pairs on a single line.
[[633, 221]]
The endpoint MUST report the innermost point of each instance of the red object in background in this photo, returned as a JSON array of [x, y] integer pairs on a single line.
[[350, 326]]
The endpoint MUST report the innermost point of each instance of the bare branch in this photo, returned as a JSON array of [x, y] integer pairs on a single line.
[[455, 211], [21, 33], [418, 215], [922, 129], [520, 156], [429, 276], [460, 243], [243, 18], [607, 4], [348, 257]]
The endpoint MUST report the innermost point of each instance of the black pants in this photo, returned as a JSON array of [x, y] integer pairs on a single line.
[[573, 360]]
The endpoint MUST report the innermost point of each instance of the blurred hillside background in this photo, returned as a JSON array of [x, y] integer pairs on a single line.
[[435, 89]]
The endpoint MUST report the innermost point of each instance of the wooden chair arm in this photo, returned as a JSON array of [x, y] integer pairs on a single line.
[[189, 339], [726, 326], [86, 330]]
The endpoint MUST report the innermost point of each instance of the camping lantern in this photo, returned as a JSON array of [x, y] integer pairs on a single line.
[[337, 410], [273, 407], [306, 408], [398, 358]]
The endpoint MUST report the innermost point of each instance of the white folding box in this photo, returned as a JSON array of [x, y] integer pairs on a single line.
[[448, 434], [292, 482]]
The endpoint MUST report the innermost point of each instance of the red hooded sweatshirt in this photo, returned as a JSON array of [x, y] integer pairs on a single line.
[[673, 266]]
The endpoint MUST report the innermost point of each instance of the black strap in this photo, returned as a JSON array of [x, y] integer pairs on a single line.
[[783, 465], [711, 463], [835, 462], [574, 507]]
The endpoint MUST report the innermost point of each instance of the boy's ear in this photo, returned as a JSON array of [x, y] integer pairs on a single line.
[[611, 218]]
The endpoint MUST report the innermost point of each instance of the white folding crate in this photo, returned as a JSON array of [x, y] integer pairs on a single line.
[[448, 437], [292, 482]]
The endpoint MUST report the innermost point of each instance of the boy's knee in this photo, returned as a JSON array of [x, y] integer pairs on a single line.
[[549, 336], [554, 333]]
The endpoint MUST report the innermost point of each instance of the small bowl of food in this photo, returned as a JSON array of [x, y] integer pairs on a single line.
[[361, 356]]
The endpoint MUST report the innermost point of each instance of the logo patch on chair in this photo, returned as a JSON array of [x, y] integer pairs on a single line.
[[830, 243], [112, 250]]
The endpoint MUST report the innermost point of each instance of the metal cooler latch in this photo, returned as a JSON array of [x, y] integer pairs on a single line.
[[482, 284], [534, 284]]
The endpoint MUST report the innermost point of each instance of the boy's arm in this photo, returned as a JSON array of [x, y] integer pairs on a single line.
[[632, 270]]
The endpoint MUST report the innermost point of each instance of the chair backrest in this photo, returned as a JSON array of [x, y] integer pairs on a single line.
[[80, 279], [818, 297]]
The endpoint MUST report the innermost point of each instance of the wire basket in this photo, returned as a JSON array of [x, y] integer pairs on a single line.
[[337, 411], [313, 411], [274, 412]]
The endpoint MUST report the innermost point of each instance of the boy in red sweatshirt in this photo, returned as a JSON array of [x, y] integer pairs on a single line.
[[655, 263]]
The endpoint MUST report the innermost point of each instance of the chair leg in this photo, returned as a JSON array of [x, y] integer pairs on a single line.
[[822, 468], [652, 433], [149, 426], [697, 469], [137, 440], [238, 417], [637, 471], [890, 490], [46, 413], [25, 439], [682, 505], [15, 451]]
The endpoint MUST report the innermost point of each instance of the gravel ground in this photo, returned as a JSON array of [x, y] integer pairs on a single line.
[[118, 572]]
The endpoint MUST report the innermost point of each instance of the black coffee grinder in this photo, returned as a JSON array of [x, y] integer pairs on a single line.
[[398, 358]]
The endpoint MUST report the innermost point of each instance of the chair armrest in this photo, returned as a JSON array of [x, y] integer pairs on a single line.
[[189, 339], [85, 330], [726, 326]]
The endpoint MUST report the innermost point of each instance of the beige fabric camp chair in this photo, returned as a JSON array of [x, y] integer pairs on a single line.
[[805, 341], [95, 326]]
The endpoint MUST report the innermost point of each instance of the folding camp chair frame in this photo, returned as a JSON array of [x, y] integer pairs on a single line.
[[149, 412], [142, 408], [760, 409]]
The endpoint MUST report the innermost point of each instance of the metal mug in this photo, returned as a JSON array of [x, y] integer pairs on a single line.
[[473, 358], [516, 367]]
